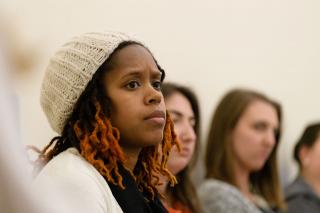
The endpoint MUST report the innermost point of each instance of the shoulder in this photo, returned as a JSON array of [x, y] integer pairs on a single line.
[[298, 188], [300, 197], [217, 188], [69, 166], [218, 196], [303, 204], [70, 176]]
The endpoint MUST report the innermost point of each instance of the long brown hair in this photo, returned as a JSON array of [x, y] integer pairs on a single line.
[[90, 131], [184, 191], [219, 157]]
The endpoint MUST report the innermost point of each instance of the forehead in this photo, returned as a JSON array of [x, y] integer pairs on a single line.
[[261, 110], [132, 61], [178, 102], [132, 55]]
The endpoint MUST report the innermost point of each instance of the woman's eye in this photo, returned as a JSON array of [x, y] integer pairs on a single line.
[[176, 121], [133, 85], [157, 85], [192, 122], [260, 126]]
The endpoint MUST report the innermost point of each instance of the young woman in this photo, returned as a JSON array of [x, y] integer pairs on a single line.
[[241, 165], [183, 107], [102, 94], [303, 195]]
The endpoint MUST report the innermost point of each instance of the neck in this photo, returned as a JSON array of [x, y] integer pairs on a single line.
[[163, 189], [242, 181], [314, 182], [131, 156]]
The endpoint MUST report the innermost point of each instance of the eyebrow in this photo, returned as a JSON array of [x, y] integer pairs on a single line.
[[156, 74], [264, 122], [177, 113], [137, 73], [133, 74]]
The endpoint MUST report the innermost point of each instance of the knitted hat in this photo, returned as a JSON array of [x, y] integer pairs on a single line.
[[70, 70]]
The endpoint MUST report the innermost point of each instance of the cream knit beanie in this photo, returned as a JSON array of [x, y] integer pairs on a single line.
[[70, 70]]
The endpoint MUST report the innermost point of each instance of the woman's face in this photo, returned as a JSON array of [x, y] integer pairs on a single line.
[[310, 160], [181, 113], [134, 87], [253, 137]]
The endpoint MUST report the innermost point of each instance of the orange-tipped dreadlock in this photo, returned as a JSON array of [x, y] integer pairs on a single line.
[[89, 130], [100, 147], [149, 166]]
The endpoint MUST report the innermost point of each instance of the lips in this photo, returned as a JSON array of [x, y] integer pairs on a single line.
[[156, 114], [157, 117], [184, 152]]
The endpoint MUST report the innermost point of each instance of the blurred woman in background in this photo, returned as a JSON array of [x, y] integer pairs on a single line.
[[183, 107], [241, 162]]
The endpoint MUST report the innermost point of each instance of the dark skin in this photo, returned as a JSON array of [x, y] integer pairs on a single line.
[[134, 87]]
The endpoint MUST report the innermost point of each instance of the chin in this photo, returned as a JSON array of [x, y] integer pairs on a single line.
[[256, 168], [153, 141], [176, 165], [175, 169]]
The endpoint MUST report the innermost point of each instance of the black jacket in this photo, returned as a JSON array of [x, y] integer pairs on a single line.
[[131, 200]]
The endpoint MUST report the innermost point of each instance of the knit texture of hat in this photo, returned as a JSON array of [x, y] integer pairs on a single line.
[[70, 70]]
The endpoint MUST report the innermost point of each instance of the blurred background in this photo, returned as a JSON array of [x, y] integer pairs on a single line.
[[272, 46]]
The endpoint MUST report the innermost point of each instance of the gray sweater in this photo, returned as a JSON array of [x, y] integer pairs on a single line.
[[220, 197], [300, 197]]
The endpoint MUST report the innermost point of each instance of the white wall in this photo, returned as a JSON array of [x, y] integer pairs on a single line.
[[211, 45]]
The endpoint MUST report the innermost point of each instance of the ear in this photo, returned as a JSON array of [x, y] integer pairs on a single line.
[[304, 155]]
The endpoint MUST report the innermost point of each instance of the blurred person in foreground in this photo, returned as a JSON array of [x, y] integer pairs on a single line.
[[16, 195]]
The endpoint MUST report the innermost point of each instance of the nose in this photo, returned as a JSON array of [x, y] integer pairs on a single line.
[[188, 134], [270, 138], [153, 96]]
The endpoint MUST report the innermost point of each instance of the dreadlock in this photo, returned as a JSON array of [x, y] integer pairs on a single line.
[[89, 130], [149, 164]]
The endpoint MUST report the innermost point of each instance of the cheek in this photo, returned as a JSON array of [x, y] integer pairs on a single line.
[[192, 148], [177, 129], [238, 148], [314, 155], [315, 160], [174, 152], [241, 139], [121, 115], [245, 145], [123, 106], [176, 163], [249, 139]]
